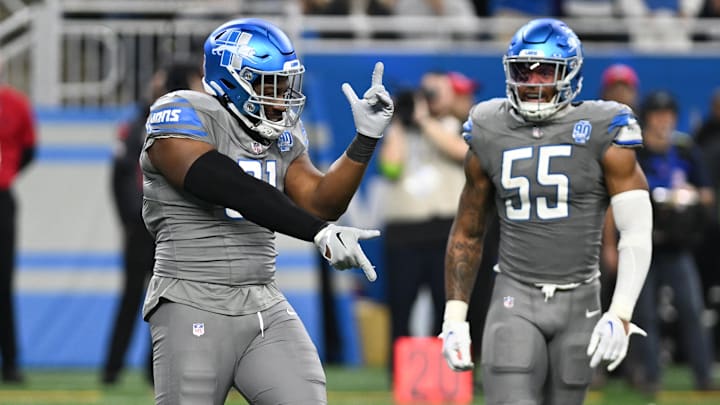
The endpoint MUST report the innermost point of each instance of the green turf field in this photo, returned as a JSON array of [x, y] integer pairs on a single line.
[[347, 386]]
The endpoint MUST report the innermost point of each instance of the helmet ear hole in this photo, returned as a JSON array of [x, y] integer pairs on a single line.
[[228, 84]]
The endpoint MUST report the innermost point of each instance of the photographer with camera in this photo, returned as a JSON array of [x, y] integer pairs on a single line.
[[422, 157], [683, 202]]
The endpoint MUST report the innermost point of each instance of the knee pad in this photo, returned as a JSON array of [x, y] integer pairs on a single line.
[[574, 365], [510, 347]]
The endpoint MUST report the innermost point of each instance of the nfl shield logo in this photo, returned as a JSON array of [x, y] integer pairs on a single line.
[[508, 302], [537, 132], [257, 148], [199, 329]]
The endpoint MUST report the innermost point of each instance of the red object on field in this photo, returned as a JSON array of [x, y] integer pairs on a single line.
[[421, 375]]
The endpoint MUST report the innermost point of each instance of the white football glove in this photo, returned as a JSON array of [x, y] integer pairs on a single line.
[[339, 245], [609, 341], [456, 345], [372, 114]]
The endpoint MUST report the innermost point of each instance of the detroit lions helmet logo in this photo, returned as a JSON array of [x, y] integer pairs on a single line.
[[234, 48], [581, 131]]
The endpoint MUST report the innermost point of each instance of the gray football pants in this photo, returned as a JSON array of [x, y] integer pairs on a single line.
[[534, 351], [198, 356]]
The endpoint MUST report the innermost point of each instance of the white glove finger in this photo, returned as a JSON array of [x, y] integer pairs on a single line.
[[368, 269], [613, 351], [449, 361], [365, 265], [596, 359], [619, 346], [448, 351], [608, 349], [621, 356], [599, 352], [459, 366], [385, 99], [594, 340], [367, 234], [458, 356], [634, 329], [377, 74], [370, 273], [465, 362], [350, 94], [372, 96], [612, 366]]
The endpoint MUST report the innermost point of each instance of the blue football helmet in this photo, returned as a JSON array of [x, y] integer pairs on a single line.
[[549, 48], [252, 65]]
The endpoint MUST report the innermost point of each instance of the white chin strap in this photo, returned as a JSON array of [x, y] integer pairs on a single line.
[[535, 111]]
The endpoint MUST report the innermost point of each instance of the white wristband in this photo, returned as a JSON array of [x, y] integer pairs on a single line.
[[455, 311]]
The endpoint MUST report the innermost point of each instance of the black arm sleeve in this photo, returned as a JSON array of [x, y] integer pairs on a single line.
[[215, 178]]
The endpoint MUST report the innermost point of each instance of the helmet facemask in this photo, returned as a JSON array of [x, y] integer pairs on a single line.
[[531, 99], [267, 102], [275, 99]]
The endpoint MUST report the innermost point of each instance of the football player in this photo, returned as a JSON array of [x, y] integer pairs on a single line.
[[222, 171], [549, 166]]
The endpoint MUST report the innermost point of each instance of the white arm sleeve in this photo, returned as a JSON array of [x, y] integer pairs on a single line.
[[633, 218]]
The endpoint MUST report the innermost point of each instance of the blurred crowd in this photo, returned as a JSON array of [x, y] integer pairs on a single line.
[[483, 8], [676, 306], [661, 28]]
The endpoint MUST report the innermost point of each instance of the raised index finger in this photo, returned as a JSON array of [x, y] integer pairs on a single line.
[[368, 233], [366, 266], [378, 74]]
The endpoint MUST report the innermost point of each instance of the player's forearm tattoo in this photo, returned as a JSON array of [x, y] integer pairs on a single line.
[[462, 263], [464, 250]]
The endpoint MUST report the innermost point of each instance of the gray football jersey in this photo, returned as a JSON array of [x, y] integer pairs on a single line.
[[199, 242], [549, 184]]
